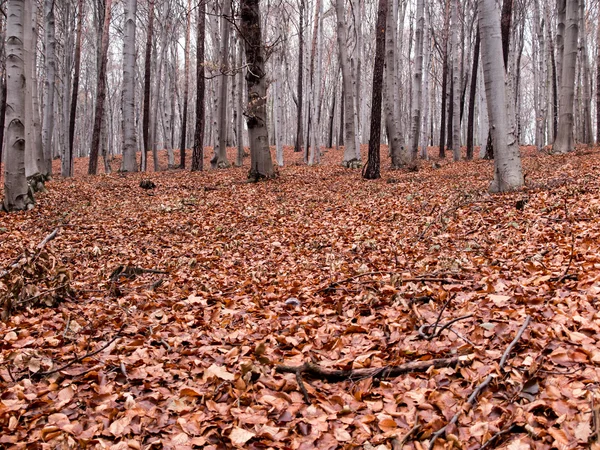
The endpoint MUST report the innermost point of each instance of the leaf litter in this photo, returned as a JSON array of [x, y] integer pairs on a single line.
[[316, 267]]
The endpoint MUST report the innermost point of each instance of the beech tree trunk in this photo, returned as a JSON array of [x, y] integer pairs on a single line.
[[455, 84], [261, 165], [219, 160], [147, 80], [349, 110], [418, 80], [100, 93], [507, 160], [128, 98], [48, 128], [565, 142], [16, 192], [392, 117], [472, 97], [373, 170], [198, 153], [186, 87], [299, 131], [442, 152]]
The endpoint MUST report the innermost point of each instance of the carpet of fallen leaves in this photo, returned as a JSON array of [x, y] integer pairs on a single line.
[[315, 266]]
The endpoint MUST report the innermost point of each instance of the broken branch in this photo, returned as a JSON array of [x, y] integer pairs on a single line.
[[334, 376], [473, 397]]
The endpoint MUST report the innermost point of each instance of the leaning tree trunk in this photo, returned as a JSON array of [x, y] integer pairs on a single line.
[[16, 192], [261, 165], [507, 160], [349, 112], [100, 93], [372, 169], [128, 98], [48, 129], [186, 87], [147, 81], [564, 142], [198, 152]]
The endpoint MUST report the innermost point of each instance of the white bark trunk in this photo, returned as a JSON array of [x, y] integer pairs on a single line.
[[219, 160], [16, 192], [418, 80], [455, 83], [564, 139], [128, 96], [507, 160], [350, 117], [48, 129]]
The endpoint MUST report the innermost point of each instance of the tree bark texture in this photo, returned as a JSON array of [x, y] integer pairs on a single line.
[[261, 164], [198, 152], [373, 170]]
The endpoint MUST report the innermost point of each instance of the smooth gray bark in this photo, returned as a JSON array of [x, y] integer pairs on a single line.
[[16, 192], [507, 159], [128, 97]]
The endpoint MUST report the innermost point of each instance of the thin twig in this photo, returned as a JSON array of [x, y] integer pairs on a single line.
[[81, 358], [473, 397]]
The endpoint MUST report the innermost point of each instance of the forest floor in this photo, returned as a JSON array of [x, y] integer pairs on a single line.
[[317, 266]]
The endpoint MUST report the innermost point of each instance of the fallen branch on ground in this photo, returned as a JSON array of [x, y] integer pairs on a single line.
[[334, 376], [473, 397], [39, 247], [81, 358], [424, 279]]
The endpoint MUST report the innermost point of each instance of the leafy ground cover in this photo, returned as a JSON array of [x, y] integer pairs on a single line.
[[316, 267]]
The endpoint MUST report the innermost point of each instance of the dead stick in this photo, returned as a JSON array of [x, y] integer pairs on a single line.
[[334, 376], [81, 358], [473, 397], [402, 280]]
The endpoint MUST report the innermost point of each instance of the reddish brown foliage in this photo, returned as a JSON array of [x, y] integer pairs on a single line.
[[194, 363]]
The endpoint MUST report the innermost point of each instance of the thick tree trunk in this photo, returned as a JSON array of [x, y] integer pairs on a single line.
[[392, 117], [48, 129], [277, 112], [564, 142], [507, 162], [587, 137], [100, 93], [198, 152], [373, 170], [186, 87], [261, 165], [16, 192], [219, 160], [128, 98], [349, 111], [426, 93]]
